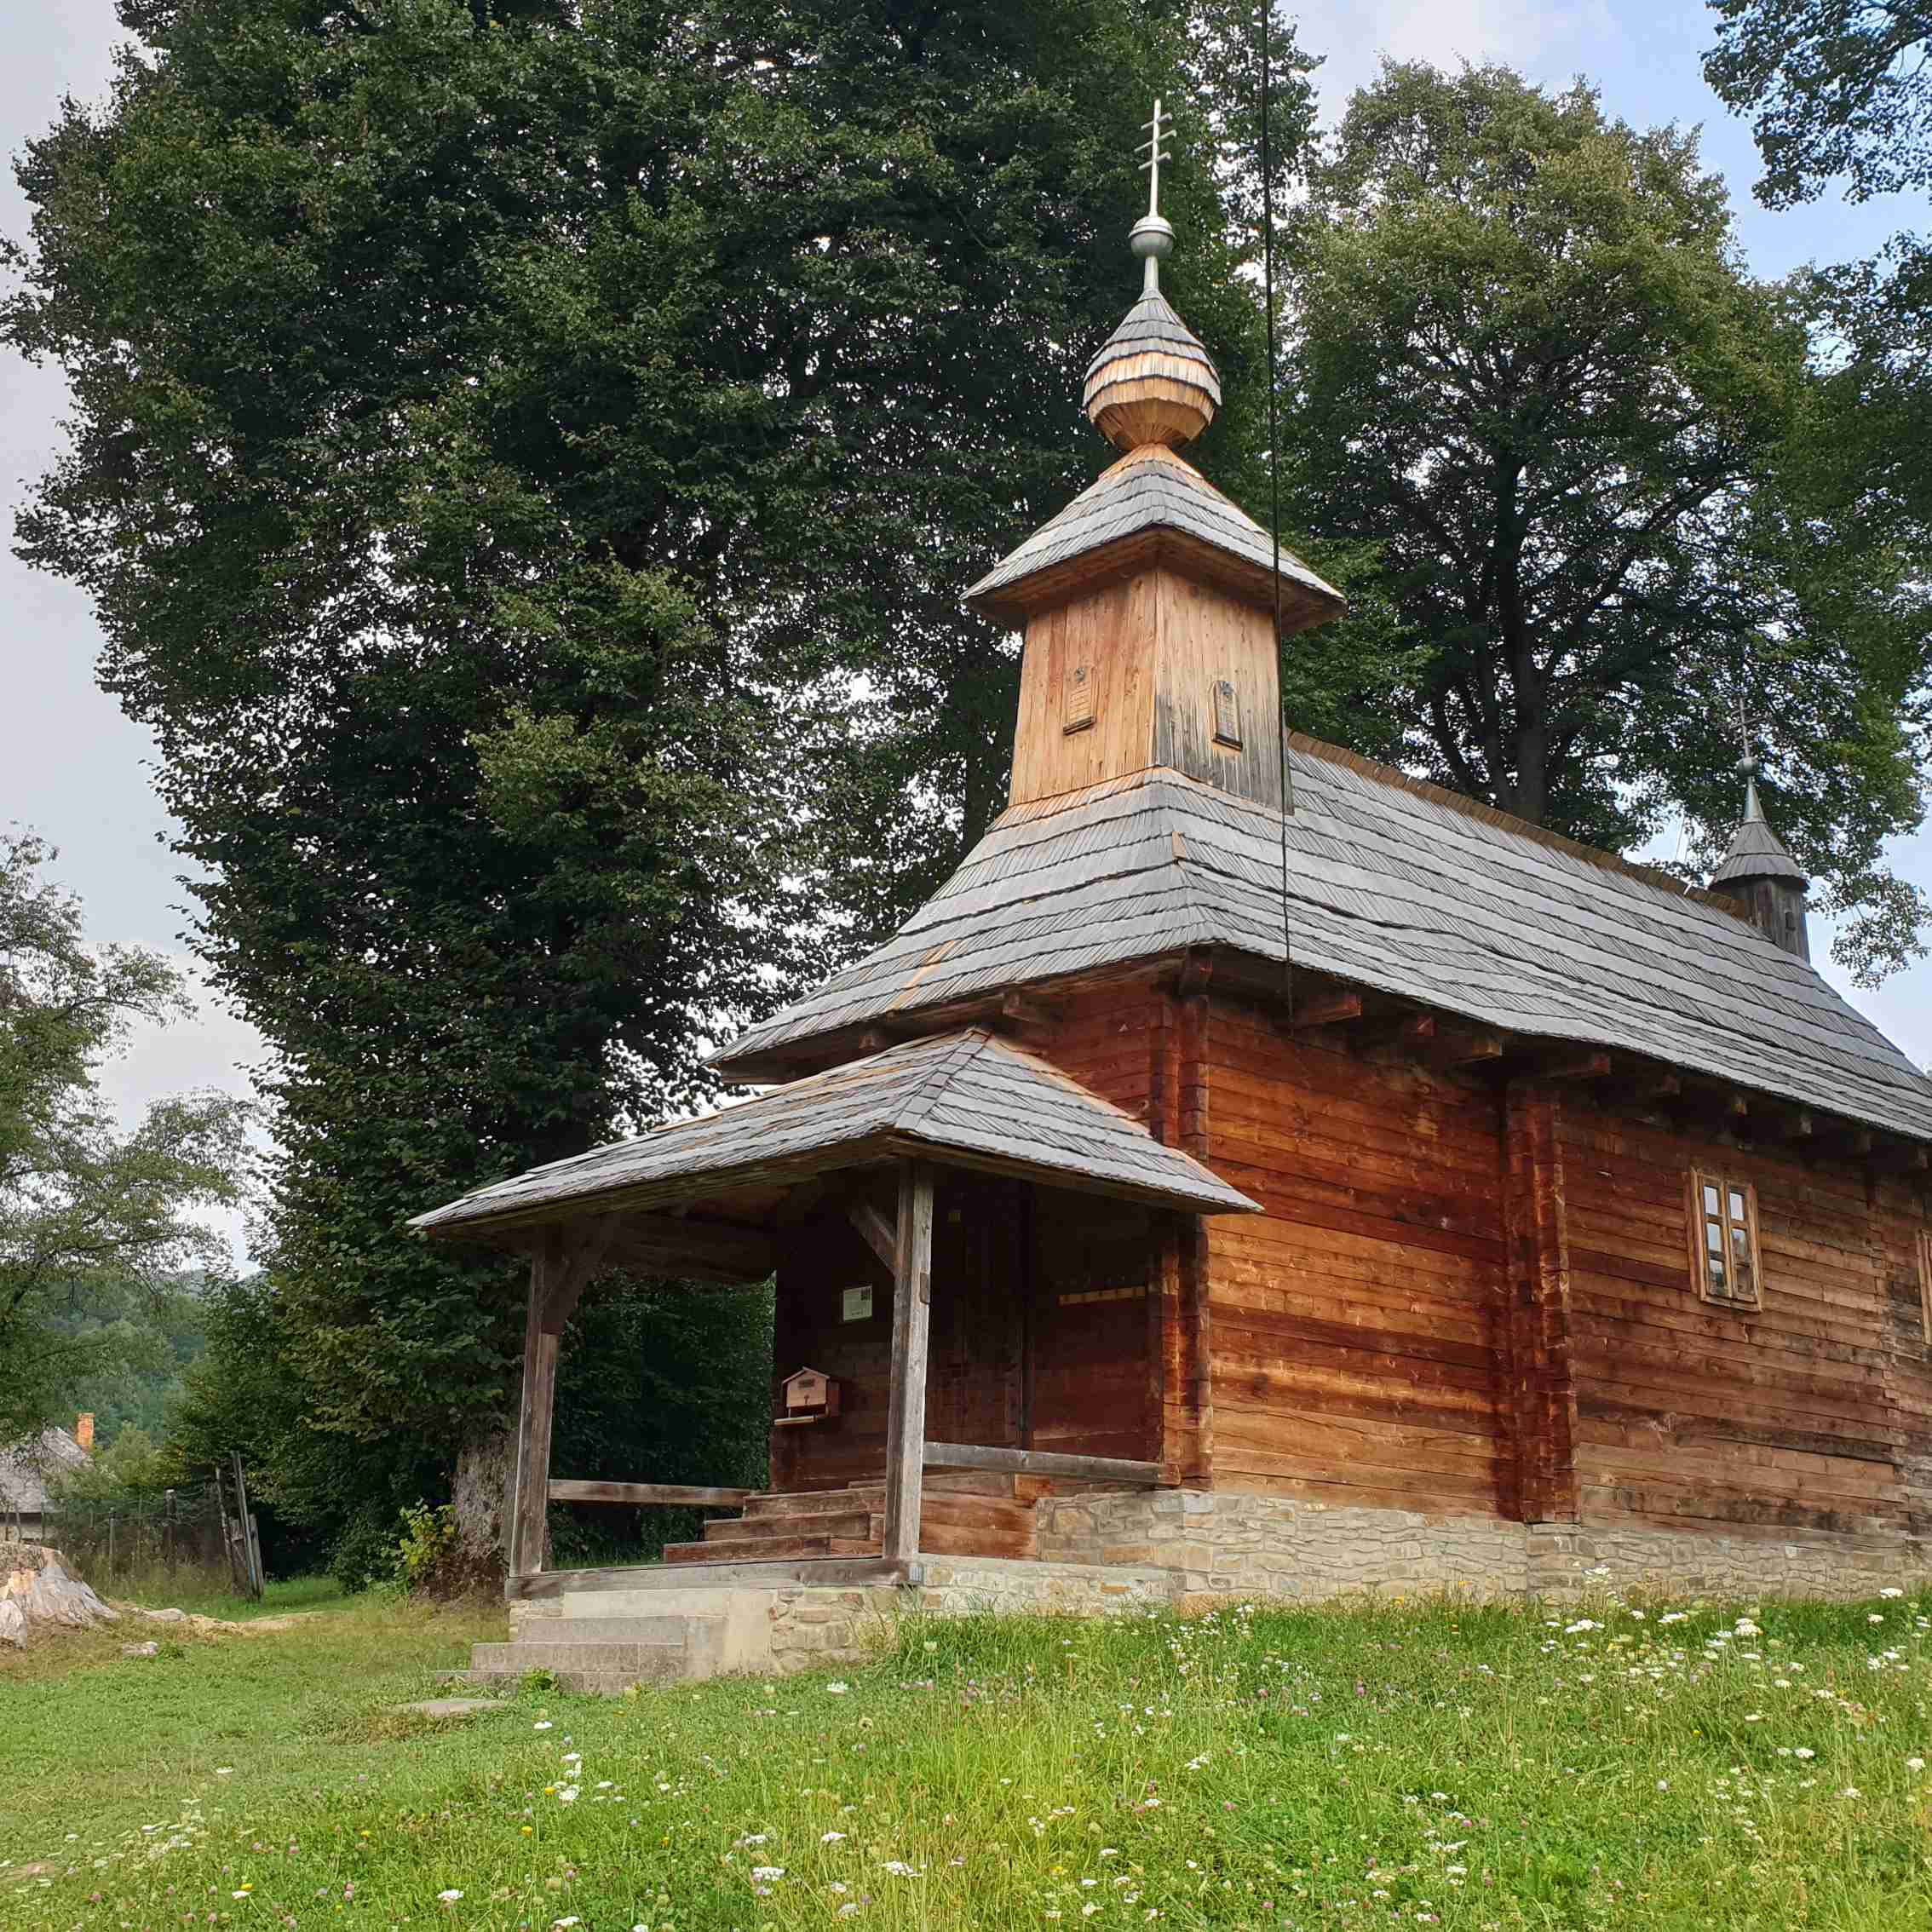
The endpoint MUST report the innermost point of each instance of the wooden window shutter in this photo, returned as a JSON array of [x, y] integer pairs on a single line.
[[1077, 700], [1227, 714]]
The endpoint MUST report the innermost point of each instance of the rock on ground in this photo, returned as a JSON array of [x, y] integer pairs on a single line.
[[36, 1587]]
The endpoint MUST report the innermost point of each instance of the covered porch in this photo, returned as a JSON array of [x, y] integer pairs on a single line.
[[978, 1270]]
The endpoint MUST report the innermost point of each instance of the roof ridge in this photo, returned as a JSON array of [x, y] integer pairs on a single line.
[[960, 1051], [1374, 769]]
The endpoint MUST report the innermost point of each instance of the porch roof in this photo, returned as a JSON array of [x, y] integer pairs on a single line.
[[967, 1099]]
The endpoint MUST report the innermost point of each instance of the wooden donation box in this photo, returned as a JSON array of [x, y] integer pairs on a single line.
[[810, 1395]]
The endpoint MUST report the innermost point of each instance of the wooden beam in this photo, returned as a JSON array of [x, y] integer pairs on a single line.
[[1660, 1087], [877, 1233], [1409, 1032], [649, 1495], [1041, 1463], [1901, 1158], [580, 1250], [905, 1406], [1326, 1009], [530, 1480], [1577, 1067], [1776, 1122], [1457, 1048], [749, 1251], [1025, 1015]]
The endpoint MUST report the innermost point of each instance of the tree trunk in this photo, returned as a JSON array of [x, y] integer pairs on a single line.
[[483, 1472]]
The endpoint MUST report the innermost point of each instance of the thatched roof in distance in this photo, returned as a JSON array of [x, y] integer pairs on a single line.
[[26, 1468]]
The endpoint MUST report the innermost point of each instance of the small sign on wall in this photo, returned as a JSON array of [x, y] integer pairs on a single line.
[[859, 1303]]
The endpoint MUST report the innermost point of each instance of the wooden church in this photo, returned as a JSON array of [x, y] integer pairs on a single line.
[[1251, 1121]]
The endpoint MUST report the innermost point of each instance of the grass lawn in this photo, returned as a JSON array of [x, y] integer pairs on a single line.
[[1665, 1765]]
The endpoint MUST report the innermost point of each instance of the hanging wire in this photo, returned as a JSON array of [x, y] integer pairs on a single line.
[[1275, 485]]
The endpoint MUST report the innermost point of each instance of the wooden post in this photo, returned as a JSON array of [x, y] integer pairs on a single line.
[[905, 1408], [1542, 1393], [530, 1495]]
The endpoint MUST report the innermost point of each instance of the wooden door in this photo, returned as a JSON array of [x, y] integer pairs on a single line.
[[1092, 1390], [975, 1368]]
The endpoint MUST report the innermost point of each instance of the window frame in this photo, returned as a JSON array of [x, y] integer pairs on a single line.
[[1699, 1219]]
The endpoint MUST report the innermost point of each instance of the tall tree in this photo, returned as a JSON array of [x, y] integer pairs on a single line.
[[1596, 462], [525, 460], [96, 1220]]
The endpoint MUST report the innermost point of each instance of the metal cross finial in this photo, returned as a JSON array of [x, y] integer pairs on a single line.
[[1747, 765], [1154, 129], [1152, 238]]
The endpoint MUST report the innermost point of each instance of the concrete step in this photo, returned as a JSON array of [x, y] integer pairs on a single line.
[[631, 1661], [673, 1626]]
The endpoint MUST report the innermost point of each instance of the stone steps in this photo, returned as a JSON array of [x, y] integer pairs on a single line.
[[602, 1654]]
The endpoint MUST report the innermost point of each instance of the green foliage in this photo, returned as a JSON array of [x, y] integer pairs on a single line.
[[1841, 88], [1258, 1768], [133, 1465], [97, 1223], [525, 462], [1598, 492], [427, 1545]]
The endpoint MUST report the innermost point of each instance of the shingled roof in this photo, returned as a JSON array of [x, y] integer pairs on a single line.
[[28, 1467], [1393, 885], [1756, 852], [967, 1098], [1151, 493]]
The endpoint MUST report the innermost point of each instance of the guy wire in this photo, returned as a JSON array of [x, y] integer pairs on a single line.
[[1274, 496]]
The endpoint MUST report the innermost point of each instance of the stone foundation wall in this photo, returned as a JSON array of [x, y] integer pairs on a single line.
[[1220, 1543]]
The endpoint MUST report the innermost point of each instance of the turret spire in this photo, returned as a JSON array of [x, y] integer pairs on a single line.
[[1757, 871]]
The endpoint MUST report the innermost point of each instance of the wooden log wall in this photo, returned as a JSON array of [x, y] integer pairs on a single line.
[[1355, 1332], [975, 1382], [1807, 1412]]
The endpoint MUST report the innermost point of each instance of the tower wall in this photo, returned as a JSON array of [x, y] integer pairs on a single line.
[[1152, 668]]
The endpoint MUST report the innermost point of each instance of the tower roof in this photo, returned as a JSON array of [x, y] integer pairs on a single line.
[[1756, 852], [1151, 503], [1151, 381]]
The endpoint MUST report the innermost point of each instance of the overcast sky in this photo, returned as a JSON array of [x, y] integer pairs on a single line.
[[76, 771]]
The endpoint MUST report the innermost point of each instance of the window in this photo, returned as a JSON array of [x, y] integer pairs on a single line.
[[1723, 1230]]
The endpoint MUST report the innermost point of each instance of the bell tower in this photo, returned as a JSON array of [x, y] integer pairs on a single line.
[[1149, 602], [1762, 876]]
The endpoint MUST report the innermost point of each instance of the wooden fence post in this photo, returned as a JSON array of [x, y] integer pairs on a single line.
[[905, 1407]]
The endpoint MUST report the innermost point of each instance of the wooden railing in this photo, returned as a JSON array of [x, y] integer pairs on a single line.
[[1043, 1462], [647, 1494]]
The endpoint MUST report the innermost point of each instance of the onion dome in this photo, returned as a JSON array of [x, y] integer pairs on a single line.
[[1152, 382]]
